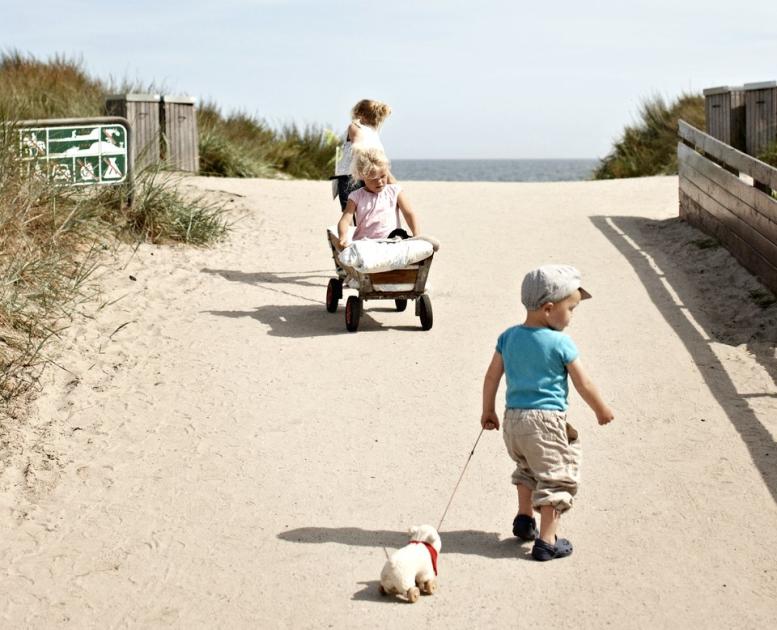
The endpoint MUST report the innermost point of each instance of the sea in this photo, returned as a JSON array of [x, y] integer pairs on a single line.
[[525, 170]]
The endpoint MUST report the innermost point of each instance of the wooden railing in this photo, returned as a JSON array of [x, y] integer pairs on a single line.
[[729, 195]]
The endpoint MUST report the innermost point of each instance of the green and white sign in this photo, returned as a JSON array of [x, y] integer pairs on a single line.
[[77, 155]]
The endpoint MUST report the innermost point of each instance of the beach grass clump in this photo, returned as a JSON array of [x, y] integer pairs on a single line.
[[769, 155], [234, 145], [155, 209], [304, 152], [58, 88], [241, 145], [649, 147], [50, 240]]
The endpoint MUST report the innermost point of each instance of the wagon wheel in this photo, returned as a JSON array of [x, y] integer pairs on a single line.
[[425, 312], [401, 304], [353, 311], [334, 291]]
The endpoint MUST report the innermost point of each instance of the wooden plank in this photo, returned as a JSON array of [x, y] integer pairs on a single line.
[[744, 163], [761, 114], [747, 257], [181, 135], [762, 203], [395, 276], [693, 184]]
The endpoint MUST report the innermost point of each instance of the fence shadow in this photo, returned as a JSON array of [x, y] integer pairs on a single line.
[[674, 271]]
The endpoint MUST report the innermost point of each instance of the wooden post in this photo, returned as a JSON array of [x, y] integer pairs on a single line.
[[181, 142], [761, 120], [142, 112], [724, 109]]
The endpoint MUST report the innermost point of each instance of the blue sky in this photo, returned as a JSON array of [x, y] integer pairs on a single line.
[[468, 79]]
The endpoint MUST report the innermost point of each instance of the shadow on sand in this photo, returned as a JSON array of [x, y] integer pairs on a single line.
[[465, 541], [301, 320], [636, 240]]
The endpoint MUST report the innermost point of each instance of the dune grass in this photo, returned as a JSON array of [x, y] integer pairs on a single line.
[[649, 147], [53, 238], [241, 145], [769, 155]]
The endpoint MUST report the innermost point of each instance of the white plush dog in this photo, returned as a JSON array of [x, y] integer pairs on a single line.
[[413, 566]]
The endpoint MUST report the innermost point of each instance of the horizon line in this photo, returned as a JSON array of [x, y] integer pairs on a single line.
[[497, 159]]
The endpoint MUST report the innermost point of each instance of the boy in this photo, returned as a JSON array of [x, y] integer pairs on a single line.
[[536, 358]]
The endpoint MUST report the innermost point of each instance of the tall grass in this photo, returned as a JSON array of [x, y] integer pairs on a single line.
[[769, 155], [230, 145], [49, 242], [58, 88], [52, 237], [649, 147], [240, 145]]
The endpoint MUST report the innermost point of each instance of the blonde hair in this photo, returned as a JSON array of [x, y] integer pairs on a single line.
[[370, 112], [368, 161]]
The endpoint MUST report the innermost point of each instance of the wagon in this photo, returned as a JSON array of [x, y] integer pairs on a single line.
[[400, 285]]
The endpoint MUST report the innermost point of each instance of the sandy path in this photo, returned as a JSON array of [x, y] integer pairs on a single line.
[[231, 457]]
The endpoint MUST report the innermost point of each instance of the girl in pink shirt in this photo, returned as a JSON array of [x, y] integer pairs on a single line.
[[375, 207]]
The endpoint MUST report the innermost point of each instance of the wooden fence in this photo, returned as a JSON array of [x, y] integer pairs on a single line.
[[729, 195]]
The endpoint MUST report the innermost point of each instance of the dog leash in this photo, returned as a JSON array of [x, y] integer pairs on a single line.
[[460, 478]]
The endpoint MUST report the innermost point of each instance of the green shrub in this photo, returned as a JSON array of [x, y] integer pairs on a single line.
[[650, 146], [159, 212], [769, 155]]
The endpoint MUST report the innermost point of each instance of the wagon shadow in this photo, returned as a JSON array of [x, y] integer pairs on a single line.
[[302, 278], [635, 239], [307, 320], [466, 541], [274, 280]]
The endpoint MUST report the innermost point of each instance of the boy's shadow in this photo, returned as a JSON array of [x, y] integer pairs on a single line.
[[465, 541]]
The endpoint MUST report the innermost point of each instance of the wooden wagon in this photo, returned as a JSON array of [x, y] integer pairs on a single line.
[[400, 285]]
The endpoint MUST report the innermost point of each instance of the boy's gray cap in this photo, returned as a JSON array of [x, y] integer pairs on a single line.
[[550, 283]]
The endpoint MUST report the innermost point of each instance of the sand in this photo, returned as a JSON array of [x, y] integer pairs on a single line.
[[215, 450]]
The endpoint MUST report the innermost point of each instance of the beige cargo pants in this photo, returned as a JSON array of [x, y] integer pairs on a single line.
[[546, 451]]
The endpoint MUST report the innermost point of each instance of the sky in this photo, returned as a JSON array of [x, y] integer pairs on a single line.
[[465, 79]]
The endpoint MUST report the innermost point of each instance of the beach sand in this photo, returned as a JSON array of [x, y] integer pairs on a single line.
[[215, 450]]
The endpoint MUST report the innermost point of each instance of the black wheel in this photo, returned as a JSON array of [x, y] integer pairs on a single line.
[[353, 311], [425, 312], [334, 291], [401, 304]]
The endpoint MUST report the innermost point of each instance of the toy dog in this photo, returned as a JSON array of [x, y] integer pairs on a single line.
[[413, 566]]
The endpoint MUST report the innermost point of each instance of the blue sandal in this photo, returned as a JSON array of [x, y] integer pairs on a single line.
[[543, 551], [525, 527]]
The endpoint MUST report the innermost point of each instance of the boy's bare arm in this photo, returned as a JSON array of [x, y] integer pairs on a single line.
[[407, 211], [488, 419], [344, 223], [589, 393]]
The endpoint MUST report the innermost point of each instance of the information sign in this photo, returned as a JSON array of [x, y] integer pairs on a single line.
[[79, 155]]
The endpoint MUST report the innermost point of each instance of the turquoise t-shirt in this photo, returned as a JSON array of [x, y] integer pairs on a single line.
[[535, 361]]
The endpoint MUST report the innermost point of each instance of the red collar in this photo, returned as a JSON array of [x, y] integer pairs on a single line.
[[432, 552]]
